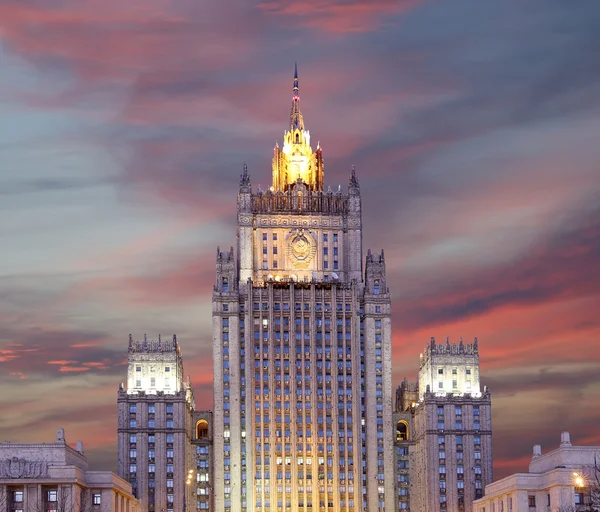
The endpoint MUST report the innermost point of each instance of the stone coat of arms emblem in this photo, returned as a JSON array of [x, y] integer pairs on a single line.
[[302, 247]]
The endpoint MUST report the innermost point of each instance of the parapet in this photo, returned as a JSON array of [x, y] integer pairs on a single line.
[[448, 349], [300, 199], [152, 346]]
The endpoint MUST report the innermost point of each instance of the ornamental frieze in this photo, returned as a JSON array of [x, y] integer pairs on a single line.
[[21, 468]]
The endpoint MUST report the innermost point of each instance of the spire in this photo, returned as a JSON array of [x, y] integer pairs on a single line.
[[296, 121]]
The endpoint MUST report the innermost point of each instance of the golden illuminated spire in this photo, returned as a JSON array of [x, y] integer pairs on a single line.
[[295, 160]]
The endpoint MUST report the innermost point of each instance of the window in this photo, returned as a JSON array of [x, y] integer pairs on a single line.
[[138, 368], [376, 287], [51, 495], [440, 371], [531, 501], [96, 499], [18, 496], [132, 408]]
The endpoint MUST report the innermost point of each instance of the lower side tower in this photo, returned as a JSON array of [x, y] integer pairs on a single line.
[[452, 431], [155, 426]]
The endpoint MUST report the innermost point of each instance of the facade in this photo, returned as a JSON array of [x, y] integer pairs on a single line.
[[202, 443], [302, 415], [155, 426], [452, 436], [40, 477], [565, 479]]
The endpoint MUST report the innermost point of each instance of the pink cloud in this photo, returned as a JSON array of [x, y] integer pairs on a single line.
[[61, 362], [69, 369], [337, 16]]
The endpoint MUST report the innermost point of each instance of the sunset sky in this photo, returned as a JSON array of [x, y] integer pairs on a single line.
[[474, 127]]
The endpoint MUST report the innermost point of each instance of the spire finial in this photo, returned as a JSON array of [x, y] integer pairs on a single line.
[[295, 89]]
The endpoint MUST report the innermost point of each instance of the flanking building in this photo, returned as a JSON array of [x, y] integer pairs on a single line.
[[451, 442], [566, 479], [40, 477]]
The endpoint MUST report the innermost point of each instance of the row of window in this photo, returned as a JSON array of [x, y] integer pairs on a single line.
[[151, 424], [151, 408], [458, 410], [52, 497]]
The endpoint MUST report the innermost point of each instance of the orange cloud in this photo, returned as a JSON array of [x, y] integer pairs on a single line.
[[68, 369]]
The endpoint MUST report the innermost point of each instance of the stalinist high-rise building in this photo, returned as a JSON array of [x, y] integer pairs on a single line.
[[302, 414]]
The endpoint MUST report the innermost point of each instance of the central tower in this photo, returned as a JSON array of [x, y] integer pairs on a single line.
[[302, 347]]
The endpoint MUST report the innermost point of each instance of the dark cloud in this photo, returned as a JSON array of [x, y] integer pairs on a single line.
[[561, 266]]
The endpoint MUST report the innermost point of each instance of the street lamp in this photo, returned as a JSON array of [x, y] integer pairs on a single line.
[[580, 483]]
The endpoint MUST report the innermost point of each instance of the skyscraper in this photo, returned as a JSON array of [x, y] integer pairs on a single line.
[[302, 346], [155, 427]]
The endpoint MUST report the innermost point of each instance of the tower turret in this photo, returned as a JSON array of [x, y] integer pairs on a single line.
[[295, 159]]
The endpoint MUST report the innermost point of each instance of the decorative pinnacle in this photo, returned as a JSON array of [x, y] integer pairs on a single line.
[[353, 178], [245, 177]]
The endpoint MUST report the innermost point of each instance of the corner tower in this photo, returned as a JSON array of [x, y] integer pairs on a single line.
[[302, 347]]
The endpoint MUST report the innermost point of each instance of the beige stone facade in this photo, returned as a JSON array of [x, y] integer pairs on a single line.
[[44, 477], [560, 480], [302, 347], [155, 427]]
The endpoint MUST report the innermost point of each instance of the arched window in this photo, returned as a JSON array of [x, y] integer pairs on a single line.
[[402, 431], [202, 429], [376, 287], [225, 282], [297, 138]]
